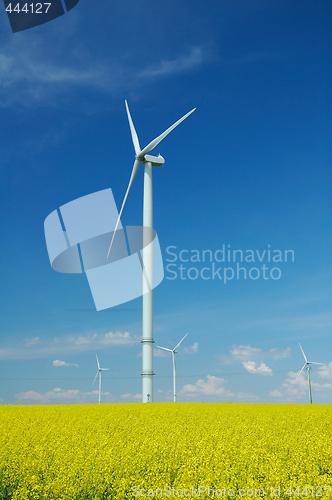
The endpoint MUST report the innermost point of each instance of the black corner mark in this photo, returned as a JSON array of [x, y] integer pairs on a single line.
[[24, 15]]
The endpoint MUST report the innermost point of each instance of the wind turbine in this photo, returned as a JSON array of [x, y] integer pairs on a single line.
[[173, 351], [141, 155], [99, 371], [308, 368]]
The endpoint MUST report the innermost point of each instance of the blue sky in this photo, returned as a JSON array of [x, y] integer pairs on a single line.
[[251, 168]]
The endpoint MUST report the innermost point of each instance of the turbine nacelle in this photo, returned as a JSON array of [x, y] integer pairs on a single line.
[[156, 161]]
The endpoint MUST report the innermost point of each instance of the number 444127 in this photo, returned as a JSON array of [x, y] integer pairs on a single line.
[[314, 492], [35, 8]]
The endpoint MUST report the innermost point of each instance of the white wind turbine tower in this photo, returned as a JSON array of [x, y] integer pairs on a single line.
[[308, 368], [173, 351], [147, 316], [99, 371]]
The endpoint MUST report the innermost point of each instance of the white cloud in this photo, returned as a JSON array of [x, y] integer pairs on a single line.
[[262, 369], [213, 386], [225, 360], [38, 348], [110, 338], [245, 352], [275, 394], [38, 71], [57, 362], [160, 353], [181, 64], [128, 396], [119, 338], [325, 371], [41, 71], [81, 340], [297, 386], [30, 342], [192, 349], [279, 354], [59, 396]]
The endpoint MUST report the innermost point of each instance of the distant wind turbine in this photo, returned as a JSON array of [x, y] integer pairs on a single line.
[[141, 155], [99, 371], [308, 368], [173, 351]]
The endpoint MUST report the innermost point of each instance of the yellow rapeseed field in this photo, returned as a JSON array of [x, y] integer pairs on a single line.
[[165, 451]]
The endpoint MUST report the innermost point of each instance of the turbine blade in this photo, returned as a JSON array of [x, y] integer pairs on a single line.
[[95, 377], [132, 177], [177, 345], [97, 362], [165, 348], [103, 369], [133, 132], [313, 363], [303, 353], [157, 140], [300, 371]]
